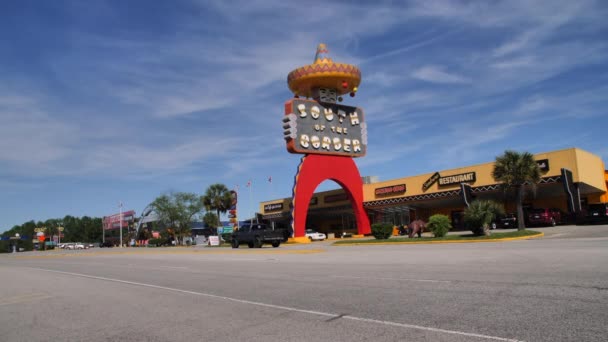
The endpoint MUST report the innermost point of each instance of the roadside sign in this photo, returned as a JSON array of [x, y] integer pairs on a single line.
[[214, 240], [220, 230], [227, 229]]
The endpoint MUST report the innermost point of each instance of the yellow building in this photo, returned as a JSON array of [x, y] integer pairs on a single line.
[[571, 179]]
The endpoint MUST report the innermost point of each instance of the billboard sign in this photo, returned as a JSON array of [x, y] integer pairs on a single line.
[[312, 127], [114, 221]]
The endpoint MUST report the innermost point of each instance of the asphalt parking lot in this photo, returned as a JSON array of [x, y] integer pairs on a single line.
[[553, 288]]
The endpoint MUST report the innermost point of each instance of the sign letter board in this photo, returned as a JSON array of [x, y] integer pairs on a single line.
[[312, 127]]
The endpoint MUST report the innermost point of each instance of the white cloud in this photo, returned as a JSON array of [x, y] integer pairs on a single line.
[[436, 74], [30, 137]]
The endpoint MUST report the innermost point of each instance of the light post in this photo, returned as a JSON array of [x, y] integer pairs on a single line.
[[120, 222], [59, 231]]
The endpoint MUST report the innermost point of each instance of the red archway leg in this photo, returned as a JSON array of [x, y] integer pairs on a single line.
[[313, 170]]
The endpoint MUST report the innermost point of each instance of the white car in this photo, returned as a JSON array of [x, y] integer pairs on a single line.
[[315, 236], [76, 245]]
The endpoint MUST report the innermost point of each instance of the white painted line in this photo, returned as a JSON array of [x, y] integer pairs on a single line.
[[399, 279], [176, 267], [286, 308]]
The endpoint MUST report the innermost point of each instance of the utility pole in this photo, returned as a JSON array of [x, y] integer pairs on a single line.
[[120, 222]]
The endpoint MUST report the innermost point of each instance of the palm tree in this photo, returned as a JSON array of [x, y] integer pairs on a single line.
[[516, 170], [480, 214], [217, 197]]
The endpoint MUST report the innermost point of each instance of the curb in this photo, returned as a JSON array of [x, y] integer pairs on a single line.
[[540, 234]]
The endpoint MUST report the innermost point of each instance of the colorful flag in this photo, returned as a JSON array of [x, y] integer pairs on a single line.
[[269, 179], [249, 183]]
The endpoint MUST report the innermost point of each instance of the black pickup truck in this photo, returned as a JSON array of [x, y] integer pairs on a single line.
[[257, 234]]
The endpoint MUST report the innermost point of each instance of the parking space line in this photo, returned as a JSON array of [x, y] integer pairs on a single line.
[[30, 297], [398, 279], [286, 308]]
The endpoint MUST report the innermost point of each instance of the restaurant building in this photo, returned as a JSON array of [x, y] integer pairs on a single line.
[[570, 180]]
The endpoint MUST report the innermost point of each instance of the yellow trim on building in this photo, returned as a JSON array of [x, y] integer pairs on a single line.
[[442, 195]]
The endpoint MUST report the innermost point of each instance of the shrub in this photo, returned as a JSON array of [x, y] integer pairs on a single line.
[[227, 237], [382, 231], [27, 245], [480, 214], [188, 243], [6, 245], [439, 224], [156, 242]]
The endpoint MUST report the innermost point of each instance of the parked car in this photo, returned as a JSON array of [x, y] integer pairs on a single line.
[[257, 234], [75, 245], [313, 235], [508, 220], [597, 213], [544, 216], [106, 244]]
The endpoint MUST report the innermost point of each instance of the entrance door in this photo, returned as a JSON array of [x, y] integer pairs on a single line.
[[457, 220]]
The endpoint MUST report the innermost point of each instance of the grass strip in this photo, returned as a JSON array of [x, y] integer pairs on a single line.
[[465, 237]]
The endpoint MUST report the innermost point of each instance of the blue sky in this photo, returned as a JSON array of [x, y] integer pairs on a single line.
[[108, 101]]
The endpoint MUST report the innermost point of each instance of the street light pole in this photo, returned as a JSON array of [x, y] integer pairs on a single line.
[[120, 222], [59, 231]]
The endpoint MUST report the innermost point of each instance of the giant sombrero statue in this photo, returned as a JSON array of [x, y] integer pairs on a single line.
[[329, 135], [324, 73]]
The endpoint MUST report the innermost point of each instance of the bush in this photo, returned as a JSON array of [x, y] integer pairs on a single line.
[[439, 224], [480, 214], [227, 237], [27, 245], [188, 243], [382, 231], [6, 245], [156, 242]]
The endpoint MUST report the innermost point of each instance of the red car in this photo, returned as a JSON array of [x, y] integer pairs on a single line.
[[544, 217]]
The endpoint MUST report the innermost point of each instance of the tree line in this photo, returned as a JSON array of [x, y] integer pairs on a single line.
[[176, 211], [85, 229]]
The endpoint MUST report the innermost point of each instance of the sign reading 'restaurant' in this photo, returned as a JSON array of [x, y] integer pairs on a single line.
[[324, 128], [468, 177], [390, 190]]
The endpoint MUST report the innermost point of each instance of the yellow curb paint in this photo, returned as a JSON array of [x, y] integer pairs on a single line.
[[440, 242], [302, 239]]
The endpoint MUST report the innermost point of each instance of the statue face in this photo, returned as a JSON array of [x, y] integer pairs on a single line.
[[328, 95]]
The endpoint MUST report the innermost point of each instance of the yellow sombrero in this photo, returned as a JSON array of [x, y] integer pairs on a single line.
[[324, 73]]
